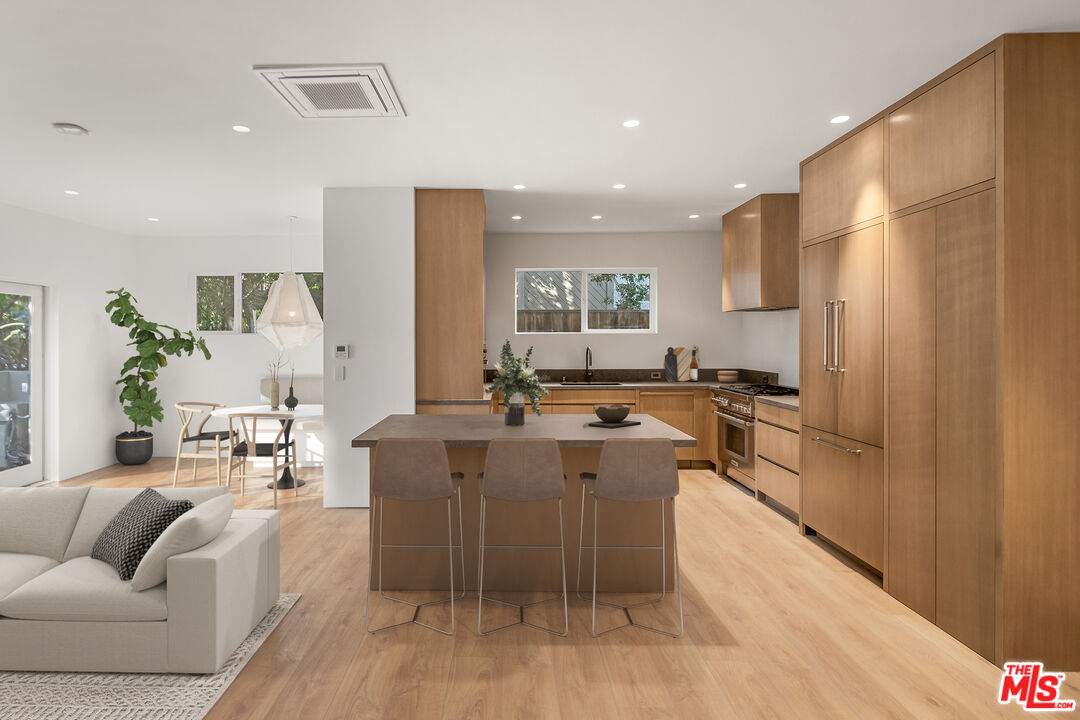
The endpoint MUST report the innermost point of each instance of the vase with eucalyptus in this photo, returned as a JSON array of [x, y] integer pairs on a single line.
[[516, 379]]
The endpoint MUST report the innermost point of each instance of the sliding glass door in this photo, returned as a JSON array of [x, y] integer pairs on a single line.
[[21, 370]]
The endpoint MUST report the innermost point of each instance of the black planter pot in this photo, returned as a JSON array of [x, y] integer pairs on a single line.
[[515, 414], [134, 448]]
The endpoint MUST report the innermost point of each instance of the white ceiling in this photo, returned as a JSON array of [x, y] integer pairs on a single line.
[[497, 92]]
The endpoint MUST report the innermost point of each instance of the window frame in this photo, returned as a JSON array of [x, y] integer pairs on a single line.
[[584, 272], [238, 299]]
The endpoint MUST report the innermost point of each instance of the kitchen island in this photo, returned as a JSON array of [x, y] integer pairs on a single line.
[[467, 438]]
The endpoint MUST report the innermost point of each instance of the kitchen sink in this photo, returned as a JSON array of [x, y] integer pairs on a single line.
[[589, 384]]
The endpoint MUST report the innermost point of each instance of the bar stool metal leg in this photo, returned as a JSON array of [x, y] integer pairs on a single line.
[[379, 502], [561, 547]]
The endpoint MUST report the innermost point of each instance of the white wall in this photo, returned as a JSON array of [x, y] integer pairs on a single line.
[[369, 268], [166, 293], [83, 352], [688, 300]]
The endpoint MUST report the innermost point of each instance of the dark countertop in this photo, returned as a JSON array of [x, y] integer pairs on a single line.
[[479, 430], [474, 401], [637, 385], [790, 402]]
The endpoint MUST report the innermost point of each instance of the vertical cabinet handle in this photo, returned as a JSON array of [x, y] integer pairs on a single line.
[[825, 336], [836, 333]]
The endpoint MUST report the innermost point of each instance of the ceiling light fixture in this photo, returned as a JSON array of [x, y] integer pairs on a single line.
[[618, 186], [241, 128], [597, 217], [515, 217], [69, 129], [631, 123], [840, 119], [519, 187], [71, 192], [289, 319], [739, 186], [693, 217], [153, 219]]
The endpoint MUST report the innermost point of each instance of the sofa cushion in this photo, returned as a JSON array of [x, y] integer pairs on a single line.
[[191, 530], [102, 504], [128, 536], [84, 590], [16, 569], [39, 521]]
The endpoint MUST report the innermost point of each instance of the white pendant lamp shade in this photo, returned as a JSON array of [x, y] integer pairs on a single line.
[[289, 319]]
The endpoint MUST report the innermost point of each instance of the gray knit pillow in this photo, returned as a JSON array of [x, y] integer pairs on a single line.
[[130, 534]]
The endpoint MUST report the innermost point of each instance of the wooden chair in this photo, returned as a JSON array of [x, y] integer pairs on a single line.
[[187, 412], [240, 449]]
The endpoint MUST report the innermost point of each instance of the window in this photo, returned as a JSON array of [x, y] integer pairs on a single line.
[[220, 298], [585, 300]]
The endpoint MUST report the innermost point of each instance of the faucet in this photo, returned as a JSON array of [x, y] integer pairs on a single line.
[[588, 362]]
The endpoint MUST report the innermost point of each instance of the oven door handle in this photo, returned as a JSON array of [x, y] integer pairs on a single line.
[[732, 418]]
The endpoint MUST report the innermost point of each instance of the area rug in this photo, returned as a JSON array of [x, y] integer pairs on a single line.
[[129, 696]]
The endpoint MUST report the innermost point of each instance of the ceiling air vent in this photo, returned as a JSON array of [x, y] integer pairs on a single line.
[[334, 90]]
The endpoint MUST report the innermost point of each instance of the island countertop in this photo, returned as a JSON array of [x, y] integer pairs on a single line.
[[479, 430]]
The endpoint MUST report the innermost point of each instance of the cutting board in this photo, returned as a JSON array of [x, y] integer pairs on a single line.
[[684, 355]]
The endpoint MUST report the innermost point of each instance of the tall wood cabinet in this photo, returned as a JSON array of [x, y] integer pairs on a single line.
[[761, 254], [449, 294], [979, 412]]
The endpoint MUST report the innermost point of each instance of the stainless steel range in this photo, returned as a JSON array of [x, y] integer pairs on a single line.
[[733, 404]]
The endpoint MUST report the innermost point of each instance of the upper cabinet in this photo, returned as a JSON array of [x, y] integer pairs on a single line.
[[844, 185], [943, 140], [761, 254], [449, 295]]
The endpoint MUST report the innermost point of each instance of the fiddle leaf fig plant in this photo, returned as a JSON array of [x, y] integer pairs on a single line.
[[153, 344]]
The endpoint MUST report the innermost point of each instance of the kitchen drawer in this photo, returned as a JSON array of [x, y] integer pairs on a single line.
[[779, 484], [778, 416], [576, 409], [778, 445], [592, 397]]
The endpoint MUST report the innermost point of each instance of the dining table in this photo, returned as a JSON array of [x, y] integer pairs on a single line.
[[287, 418]]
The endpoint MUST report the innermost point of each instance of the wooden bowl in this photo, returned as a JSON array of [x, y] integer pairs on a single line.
[[611, 413], [727, 376]]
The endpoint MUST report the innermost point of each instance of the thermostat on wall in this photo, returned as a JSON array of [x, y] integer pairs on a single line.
[[341, 352]]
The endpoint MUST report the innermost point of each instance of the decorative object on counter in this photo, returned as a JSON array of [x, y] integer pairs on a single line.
[[291, 401], [611, 413], [683, 355], [289, 319], [515, 378], [693, 365], [274, 366], [612, 425], [727, 376], [671, 366], [152, 342]]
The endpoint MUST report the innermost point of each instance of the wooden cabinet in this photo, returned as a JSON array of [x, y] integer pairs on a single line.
[[761, 254], [449, 294], [943, 140], [778, 445], [777, 483], [841, 357], [453, 409], [843, 493], [674, 407], [778, 455], [844, 185], [705, 428]]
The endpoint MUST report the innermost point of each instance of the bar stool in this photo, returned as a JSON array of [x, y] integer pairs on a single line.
[[526, 470], [414, 470], [633, 471]]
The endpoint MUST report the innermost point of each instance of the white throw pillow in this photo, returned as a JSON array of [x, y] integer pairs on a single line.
[[192, 530]]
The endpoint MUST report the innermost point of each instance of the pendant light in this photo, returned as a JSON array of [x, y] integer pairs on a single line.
[[289, 319]]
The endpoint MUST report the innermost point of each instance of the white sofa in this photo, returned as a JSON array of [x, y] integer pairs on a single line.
[[61, 610]]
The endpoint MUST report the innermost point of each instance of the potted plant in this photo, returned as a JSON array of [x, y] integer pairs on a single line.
[[515, 378], [153, 343]]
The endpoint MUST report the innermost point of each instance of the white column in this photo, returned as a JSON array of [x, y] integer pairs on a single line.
[[370, 304]]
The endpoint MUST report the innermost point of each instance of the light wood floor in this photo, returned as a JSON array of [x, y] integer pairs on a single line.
[[776, 627]]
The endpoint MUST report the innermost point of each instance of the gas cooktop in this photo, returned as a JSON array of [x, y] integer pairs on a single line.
[[752, 389]]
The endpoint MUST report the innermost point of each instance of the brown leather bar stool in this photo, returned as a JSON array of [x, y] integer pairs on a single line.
[[527, 470], [633, 471], [414, 470]]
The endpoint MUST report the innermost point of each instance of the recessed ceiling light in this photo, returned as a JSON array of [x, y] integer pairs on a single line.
[[241, 128], [519, 187], [618, 186], [840, 119], [153, 219], [693, 217], [631, 123], [70, 129], [515, 217], [71, 192], [740, 186], [597, 217]]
